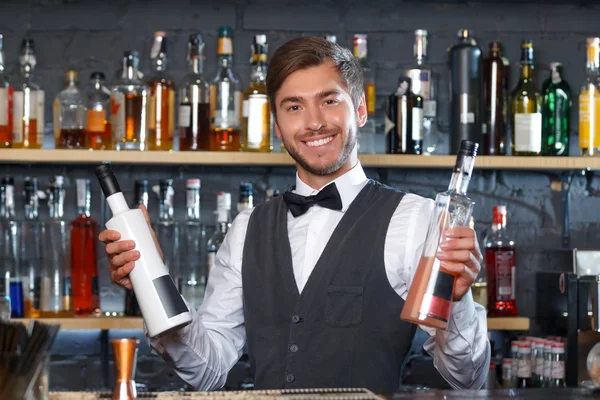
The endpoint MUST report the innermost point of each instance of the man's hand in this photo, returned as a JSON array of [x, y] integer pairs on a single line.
[[121, 254], [460, 255]]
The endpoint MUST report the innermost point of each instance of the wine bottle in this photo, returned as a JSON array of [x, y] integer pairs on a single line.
[[161, 304]]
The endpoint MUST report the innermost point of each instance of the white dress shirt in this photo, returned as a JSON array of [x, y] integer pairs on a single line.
[[203, 352]]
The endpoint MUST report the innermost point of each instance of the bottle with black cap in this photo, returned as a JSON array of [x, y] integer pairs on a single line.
[[430, 296], [161, 304]]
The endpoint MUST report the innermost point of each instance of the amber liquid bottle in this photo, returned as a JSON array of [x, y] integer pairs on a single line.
[[98, 132], [68, 115], [494, 83], [84, 234], [6, 103]]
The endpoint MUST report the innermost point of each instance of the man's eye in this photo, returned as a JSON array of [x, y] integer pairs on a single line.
[[293, 108], [330, 101]]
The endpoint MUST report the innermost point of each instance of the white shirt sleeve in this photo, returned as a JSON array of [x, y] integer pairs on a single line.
[[203, 352], [462, 352]]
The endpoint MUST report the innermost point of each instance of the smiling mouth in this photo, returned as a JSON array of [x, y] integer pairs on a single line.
[[319, 142]]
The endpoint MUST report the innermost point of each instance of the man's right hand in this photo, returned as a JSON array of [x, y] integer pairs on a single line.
[[121, 254]]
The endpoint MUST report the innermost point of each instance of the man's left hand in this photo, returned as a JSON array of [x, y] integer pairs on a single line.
[[460, 255]]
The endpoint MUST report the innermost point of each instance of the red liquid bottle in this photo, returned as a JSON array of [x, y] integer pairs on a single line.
[[84, 236], [500, 257]]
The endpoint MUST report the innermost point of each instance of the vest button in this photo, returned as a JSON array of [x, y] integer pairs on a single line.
[[289, 378], [295, 318], [294, 348]]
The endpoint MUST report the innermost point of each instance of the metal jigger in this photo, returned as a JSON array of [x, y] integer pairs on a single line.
[[125, 354]]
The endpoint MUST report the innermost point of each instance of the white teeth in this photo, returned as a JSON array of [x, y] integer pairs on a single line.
[[320, 142]]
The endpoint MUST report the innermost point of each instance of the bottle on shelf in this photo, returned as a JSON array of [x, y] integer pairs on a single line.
[[589, 101], [556, 113], [192, 276], [524, 380], [225, 98], [466, 81], [6, 103], [366, 133], [162, 306], [223, 222], [558, 379], [84, 239], [526, 108], [30, 245], [161, 116], [246, 199], [129, 107], [167, 231], [28, 103], [404, 123], [98, 130], [256, 110], [423, 84], [9, 248], [68, 115], [194, 101], [430, 296], [547, 374], [56, 285], [538, 371], [507, 373], [495, 102]]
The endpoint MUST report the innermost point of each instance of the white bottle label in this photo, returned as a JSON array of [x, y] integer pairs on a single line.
[[558, 369], [524, 370], [185, 114], [257, 105], [17, 127], [211, 260], [118, 116], [539, 364], [37, 102], [417, 123], [429, 108], [190, 198], [547, 368], [3, 106], [528, 132]]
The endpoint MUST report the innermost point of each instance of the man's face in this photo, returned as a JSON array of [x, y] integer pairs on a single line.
[[316, 119]]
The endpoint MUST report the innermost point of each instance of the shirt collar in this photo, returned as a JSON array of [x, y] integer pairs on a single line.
[[348, 185]]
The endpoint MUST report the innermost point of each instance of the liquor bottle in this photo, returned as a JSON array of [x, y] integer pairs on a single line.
[[494, 84], [466, 82], [538, 371], [28, 103], [524, 366], [547, 375], [556, 113], [223, 223], [500, 261], [56, 285], [68, 115], [430, 295], [404, 124], [84, 238], [360, 52], [225, 99], [98, 131], [9, 247], [246, 199], [558, 379], [142, 196], [129, 107], [167, 231], [256, 110], [589, 101], [162, 306], [192, 275], [526, 108], [161, 121], [30, 245], [194, 101], [6, 103], [423, 84]]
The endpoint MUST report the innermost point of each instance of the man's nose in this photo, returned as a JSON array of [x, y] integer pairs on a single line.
[[315, 119]]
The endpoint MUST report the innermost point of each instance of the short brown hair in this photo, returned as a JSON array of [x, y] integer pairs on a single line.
[[306, 52]]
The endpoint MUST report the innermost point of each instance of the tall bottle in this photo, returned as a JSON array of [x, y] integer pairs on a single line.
[[466, 81], [256, 109], [129, 107], [192, 276], [526, 108], [361, 52], [404, 123], [68, 115], [9, 247], [6, 103], [84, 239], [225, 98], [30, 246], [142, 195], [556, 113], [98, 130], [162, 305], [589, 101], [28, 103], [161, 121], [166, 229], [430, 296], [524, 379], [423, 84], [194, 101], [223, 213], [500, 261], [495, 100], [558, 377], [56, 284]]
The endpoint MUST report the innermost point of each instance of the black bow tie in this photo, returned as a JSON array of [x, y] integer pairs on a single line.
[[329, 197]]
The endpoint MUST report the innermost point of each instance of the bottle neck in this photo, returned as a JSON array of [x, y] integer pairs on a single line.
[[223, 219], [160, 63], [526, 71], [85, 209], [1, 61], [71, 83], [461, 175], [193, 204], [7, 203], [57, 209], [97, 84], [225, 61], [259, 72], [27, 71], [197, 65], [165, 212], [31, 212]]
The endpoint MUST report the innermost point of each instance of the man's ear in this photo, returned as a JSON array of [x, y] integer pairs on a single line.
[[277, 130], [361, 112]]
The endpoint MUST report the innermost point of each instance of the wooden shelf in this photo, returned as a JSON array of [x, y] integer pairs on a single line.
[[50, 156], [508, 324]]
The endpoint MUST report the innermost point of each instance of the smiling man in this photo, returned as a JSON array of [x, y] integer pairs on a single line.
[[314, 281]]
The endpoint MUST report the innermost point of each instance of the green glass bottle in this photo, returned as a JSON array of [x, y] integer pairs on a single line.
[[556, 113]]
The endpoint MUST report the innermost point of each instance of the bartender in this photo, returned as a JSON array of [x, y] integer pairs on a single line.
[[314, 281]]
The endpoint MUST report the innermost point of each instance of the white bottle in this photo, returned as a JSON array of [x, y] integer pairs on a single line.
[[161, 304]]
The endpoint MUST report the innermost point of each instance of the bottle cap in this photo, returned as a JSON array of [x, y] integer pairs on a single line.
[[159, 46], [108, 181], [465, 33], [499, 214], [507, 361], [71, 75], [195, 46], [8, 180], [97, 75], [192, 183], [495, 46], [225, 31], [223, 201]]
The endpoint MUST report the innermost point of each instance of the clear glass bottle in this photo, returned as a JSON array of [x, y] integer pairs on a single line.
[[524, 366], [6, 103], [98, 131], [256, 109], [68, 115], [9, 247], [539, 363], [507, 373], [28, 103], [55, 287], [223, 213], [558, 379], [556, 113], [514, 354], [547, 376], [194, 101], [225, 99], [589, 101], [129, 101], [30, 247], [430, 296], [246, 199], [167, 231]]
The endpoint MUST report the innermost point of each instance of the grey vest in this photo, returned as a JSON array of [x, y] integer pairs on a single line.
[[344, 329]]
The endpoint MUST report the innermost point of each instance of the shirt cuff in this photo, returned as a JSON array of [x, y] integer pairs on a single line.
[[463, 312]]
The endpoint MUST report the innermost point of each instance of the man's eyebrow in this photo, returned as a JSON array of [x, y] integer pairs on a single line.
[[327, 93], [291, 99]]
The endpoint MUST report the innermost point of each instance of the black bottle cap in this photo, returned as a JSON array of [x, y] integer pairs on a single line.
[[468, 148], [107, 179], [97, 75], [30, 184], [8, 180]]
